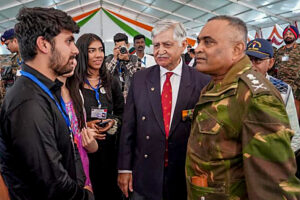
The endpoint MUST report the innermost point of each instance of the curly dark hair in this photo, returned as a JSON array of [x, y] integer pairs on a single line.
[[35, 22], [76, 82]]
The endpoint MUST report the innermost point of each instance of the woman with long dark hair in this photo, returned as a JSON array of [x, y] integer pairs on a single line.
[[103, 101]]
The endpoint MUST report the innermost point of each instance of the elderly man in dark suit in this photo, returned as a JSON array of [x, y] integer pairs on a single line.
[[154, 136]]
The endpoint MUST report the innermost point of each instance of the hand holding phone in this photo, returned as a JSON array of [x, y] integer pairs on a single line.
[[103, 123]]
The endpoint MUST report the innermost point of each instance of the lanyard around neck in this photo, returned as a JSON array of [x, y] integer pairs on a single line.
[[144, 62], [96, 90], [45, 89]]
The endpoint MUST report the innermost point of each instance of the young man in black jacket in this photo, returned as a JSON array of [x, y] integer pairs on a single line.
[[38, 157]]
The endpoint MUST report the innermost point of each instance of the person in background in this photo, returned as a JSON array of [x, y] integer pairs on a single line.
[[154, 135], [103, 102], [239, 146], [187, 57], [261, 53], [121, 64], [287, 61], [39, 159], [139, 45], [9, 73], [273, 70], [192, 55], [83, 136]]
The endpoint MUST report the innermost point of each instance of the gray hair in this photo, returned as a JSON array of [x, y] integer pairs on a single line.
[[234, 22], [166, 24]]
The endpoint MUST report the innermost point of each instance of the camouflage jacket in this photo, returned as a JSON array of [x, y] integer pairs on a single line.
[[240, 141], [287, 62], [16, 62], [123, 71]]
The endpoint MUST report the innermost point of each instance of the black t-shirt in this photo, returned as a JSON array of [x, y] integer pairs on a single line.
[[103, 163]]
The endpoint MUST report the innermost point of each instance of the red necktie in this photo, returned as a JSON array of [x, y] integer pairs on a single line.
[[166, 102]]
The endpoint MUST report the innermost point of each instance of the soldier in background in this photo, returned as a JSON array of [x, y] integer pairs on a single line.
[[239, 146], [9, 73], [288, 62]]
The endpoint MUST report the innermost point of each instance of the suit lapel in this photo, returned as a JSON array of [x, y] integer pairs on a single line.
[[153, 89], [183, 97]]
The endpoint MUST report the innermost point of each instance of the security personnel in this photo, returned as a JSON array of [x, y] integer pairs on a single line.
[[239, 146], [8, 74], [288, 62]]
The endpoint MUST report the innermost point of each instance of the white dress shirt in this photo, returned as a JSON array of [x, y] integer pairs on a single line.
[[191, 63], [175, 82], [147, 61]]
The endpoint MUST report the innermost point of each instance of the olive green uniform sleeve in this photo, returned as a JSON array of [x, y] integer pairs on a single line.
[[269, 162]]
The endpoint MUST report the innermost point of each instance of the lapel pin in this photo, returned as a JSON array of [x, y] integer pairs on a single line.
[[152, 89]]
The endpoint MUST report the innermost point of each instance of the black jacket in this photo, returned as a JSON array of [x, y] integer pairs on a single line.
[[38, 160], [142, 140]]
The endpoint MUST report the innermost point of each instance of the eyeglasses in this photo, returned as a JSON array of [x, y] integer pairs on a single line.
[[257, 61]]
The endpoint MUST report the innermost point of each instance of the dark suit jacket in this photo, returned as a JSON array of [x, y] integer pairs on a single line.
[[142, 142]]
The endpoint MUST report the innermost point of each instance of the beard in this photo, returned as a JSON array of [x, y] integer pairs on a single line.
[[59, 65], [289, 40]]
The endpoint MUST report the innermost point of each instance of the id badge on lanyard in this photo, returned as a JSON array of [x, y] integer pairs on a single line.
[[98, 112], [285, 58]]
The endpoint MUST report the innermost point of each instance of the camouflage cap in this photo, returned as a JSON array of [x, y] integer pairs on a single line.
[[8, 34], [260, 48]]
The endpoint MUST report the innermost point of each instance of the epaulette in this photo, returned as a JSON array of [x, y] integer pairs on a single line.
[[256, 82]]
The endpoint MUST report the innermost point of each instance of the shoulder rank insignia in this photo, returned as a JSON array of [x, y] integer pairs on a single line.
[[255, 82]]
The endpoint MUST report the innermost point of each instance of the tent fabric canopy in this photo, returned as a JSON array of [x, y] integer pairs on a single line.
[[261, 16], [116, 18]]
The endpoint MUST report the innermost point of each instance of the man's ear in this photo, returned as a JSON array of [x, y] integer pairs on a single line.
[[127, 45], [238, 50], [184, 44], [271, 63], [43, 45]]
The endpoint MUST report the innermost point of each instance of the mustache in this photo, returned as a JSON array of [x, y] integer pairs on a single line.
[[162, 56], [289, 38]]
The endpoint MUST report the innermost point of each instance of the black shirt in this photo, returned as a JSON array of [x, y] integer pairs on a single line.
[[103, 163], [38, 159]]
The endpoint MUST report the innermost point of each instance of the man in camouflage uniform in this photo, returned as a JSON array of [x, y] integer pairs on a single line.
[[288, 62], [121, 64], [239, 146], [9, 73]]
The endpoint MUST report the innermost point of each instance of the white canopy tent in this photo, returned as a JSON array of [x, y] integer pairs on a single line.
[[259, 15]]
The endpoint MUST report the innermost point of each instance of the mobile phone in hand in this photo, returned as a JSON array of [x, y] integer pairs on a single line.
[[103, 123]]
